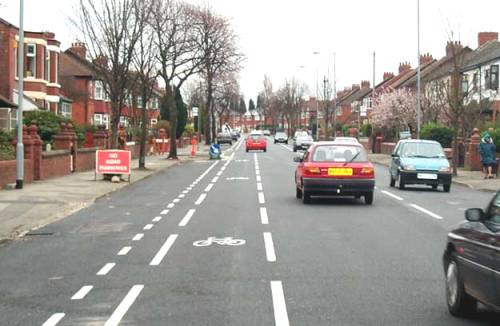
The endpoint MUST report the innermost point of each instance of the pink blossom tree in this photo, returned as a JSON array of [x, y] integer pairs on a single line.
[[395, 109]]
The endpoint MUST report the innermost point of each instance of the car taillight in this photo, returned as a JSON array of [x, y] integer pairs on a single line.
[[367, 171], [313, 171]]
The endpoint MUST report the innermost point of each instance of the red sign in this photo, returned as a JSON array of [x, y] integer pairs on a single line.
[[112, 162]]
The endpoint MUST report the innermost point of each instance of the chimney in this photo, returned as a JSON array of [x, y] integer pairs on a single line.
[[79, 49], [101, 61], [388, 75], [355, 87], [365, 84], [426, 58], [453, 47], [485, 37], [404, 67]]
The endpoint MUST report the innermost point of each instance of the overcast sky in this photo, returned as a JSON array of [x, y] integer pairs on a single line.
[[279, 37]]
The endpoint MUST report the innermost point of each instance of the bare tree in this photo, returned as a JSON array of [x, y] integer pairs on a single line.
[[226, 94], [179, 54], [111, 32], [289, 97], [220, 53]]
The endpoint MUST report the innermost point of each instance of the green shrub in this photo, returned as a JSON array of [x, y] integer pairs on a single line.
[[47, 122], [437, 132], [496, 138], [366, 130], [7, 151]]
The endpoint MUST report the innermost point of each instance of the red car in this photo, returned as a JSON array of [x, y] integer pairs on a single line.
[[256, 142], [334, 169]]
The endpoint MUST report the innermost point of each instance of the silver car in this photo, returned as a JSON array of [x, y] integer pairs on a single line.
[[302, 142]]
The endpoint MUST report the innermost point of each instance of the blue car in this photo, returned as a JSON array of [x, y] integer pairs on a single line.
[[420, 162]]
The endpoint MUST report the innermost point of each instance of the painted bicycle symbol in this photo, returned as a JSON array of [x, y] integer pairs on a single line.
[[227, 241]]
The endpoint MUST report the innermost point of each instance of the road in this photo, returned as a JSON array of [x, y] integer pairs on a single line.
[[227, 243]]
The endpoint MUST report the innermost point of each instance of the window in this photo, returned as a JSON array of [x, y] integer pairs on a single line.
[[465, 84], [47, 66], [475, 80], [339, 154], [65, 109], [15, 63], [139, 102], [124, 121], [56, 67], [99, 90], [487, 80], [31, 60], [494, 77]]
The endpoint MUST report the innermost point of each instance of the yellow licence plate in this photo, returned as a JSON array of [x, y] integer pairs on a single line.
[[340, 171]]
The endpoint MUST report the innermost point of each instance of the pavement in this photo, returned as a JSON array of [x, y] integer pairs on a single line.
[[227, 243], [471, 179], [43, 202]]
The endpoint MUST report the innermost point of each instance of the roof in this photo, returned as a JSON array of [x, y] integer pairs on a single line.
[[5, 103], [444, 66], [382, 84], [407, 79], [72, 65], [484, 54], [424, 71]]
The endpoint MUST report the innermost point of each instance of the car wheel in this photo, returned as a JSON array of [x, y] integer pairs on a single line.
[[265, 149], [434, 187], [247, 150], [401, 182], [458, 301], [392, 183], [447, 188], [306, 197], [298, 193], [294, 148], [369, 198]]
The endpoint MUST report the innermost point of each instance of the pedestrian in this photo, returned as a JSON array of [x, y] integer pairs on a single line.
[[487, 150]]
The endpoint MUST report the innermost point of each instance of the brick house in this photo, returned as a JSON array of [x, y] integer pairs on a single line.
[[41, 66]]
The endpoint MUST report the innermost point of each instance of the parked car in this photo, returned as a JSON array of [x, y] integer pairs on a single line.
[[267, 132], [346, 140], [329, 169], [303, 141], [471, 261], [224, 138], [420, 162], [280, 137], [255, 142], [235, 135]]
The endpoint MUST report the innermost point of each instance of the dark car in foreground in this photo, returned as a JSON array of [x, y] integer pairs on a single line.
[[224, 138], [330, 169], [420, 162], [472, 261]]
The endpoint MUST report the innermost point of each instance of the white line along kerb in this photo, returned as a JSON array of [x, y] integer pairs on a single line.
[[163, 250], [54, 319], [124, 306], [423, 210], [391, 195], [200, 199], [82, 292], [268, 242], [279, 304], [263, 216], [186, 218]]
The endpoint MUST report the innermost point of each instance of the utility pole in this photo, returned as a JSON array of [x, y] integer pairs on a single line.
[[326, 99], [418, 70], [334, 96], [20, 93]]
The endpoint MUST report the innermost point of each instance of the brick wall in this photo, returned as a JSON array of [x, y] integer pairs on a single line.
[[55, 164], [8, 172], [85, 159], [388, 148]]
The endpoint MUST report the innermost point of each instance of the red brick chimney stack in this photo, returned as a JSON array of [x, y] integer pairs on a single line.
[[355, 87], [388, 75], [80, 49], [404, 67], [365, 84], [453, 47], [426, 58], [485, 37]]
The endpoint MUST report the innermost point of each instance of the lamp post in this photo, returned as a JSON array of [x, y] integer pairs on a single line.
[[20, 69], [418, 70], [317, 99]]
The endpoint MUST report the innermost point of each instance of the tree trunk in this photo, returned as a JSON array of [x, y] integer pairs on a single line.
[[455, 154], [213, 122], [208, 111], [144, 134], [115, 121], [173, 122]]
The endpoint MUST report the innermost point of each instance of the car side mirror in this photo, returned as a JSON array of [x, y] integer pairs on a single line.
[[474, 214], [298, 158], [394, 155]]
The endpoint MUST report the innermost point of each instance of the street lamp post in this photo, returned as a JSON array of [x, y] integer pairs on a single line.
[[317, 99], [418, 70], [20, 69]]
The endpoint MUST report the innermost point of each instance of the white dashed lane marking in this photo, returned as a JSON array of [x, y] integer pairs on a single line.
[[163, 250], [54, 319], [82, 292], [138, 237], [171, 205], [124, 251], [124, 306], [263, 216], [391, 195], [148, 226], [200, 199], [157, 219], [425, 211], [106, 269], [261, 198], [268, 242], [259, 186], [209, 187], [164, 212], [187, 217], [279, 304]]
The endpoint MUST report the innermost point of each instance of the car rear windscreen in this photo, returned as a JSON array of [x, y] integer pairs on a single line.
[[339, 154]]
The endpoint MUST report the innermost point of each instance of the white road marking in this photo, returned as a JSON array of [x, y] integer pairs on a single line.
[[268, 241], [261, 198], [219, 173], [157, 219], [164, 212], [391, 195], [176, 200], [189, 188], [185, 191], [138, 237], [124, 306], [236, 178], [106, 269], [148, 226], [54, 319], [186, 218], [171, 205], [284, 146], [181, 196], [214, 180], [279, 304], [82, 292], [259, 186], [124, 251], [223, 168], [257, 172], [209, 187], [200, 199], [263, 216], [423, 210], [259, 178], [163, 250]]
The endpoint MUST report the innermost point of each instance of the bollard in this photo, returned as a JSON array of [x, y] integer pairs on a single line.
[[193, 146]]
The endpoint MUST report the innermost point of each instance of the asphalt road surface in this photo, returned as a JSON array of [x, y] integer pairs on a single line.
[[227, 243]]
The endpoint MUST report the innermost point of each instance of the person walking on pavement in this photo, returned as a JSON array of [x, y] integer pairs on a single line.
[[487, 150]]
